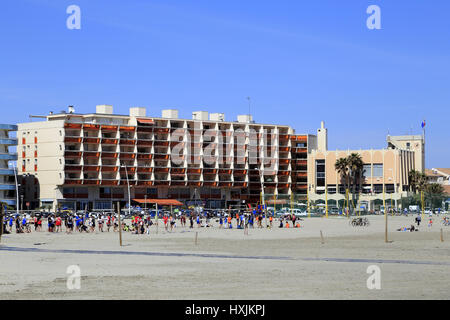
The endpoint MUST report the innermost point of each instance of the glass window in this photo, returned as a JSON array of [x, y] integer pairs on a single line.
[[377, 170], [367, 171]]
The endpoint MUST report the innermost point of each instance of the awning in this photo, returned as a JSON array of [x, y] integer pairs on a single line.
[[161, 202], [146, 121], [282, 201]]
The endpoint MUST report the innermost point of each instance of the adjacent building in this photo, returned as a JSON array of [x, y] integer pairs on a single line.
[[384, 177], [8, 186]]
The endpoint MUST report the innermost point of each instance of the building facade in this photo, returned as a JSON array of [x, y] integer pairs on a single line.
[[385, 175], [8, 175], [83, 161]]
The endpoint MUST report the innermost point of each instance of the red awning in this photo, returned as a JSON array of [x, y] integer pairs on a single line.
[[146, 121], [282, 201], [161, 202]]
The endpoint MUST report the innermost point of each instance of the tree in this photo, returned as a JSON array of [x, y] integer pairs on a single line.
[[351, 170], [414, 177], [356, 166], [435, 193], [342, 167]]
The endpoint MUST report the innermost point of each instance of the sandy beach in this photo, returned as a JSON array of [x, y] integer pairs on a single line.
[[227, 264]]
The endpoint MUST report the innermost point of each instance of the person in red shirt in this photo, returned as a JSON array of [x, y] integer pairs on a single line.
[[165, 222], [58, 224]]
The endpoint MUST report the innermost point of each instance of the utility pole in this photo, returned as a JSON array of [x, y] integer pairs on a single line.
[[120, 223]]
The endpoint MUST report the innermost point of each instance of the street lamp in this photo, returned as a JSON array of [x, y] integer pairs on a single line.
[[129, 194], [262, 192]]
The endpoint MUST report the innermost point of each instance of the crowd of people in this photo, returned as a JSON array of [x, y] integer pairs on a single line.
[[141, 223]]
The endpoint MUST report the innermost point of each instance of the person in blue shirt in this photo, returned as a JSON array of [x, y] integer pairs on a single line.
[[10, 223]]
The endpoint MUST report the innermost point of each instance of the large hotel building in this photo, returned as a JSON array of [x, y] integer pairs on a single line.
[[83, 161]]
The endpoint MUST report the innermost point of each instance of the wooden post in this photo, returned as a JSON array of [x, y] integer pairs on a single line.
[[386, 226], [321, 237], [1, 221], [442, 235], [157, 219], [196, 237], [120, 223]]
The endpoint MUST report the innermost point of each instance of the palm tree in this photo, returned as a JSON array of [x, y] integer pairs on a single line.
[[435, 192], [422, 182], [342, 168], [414, 178], [356, 166]]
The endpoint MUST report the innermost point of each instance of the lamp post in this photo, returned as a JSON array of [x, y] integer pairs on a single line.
[[262, 195]]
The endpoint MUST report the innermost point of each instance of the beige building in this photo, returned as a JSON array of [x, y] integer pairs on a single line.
[[385, 173], [83, 161], [438, 175]]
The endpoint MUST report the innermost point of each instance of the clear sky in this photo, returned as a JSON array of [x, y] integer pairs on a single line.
[[301, 62]]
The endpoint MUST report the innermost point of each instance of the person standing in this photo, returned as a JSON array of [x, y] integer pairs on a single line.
[[418, 220], [58, 224], [69, 225]]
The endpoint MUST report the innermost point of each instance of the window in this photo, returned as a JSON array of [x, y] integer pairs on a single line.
[[377, 170], [367, 171], [408, 146], [320, 173]]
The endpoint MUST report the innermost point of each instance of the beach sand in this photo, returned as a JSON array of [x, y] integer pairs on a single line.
[[226, 264]]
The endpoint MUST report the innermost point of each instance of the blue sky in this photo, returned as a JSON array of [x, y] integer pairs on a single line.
[[301, 62]]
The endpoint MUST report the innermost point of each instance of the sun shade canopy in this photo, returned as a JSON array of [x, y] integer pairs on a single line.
[[161, 202], [146, 121]]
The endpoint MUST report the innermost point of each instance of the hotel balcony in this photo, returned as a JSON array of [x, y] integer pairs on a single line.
[[161, 156], [91, 155], [162, 182], [73, 154], [72, 168], [69, 125], [94, 181], [109, 155], [210, 183], [109, 182], [110, 168], [147, 183], [194, 171], [127, 156], [127, 129], [72, 181], [161, 130], [75, 140], [144, 142], [144, 170], [109, 128], [109, 141], [178, 171], [240, 184], [161, 143], [144, 156], [91, 140], [91, 127], [127, 142], [124, 182], [161, 170]]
